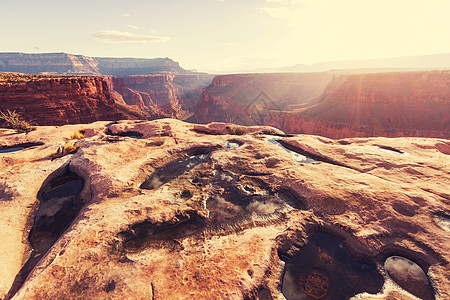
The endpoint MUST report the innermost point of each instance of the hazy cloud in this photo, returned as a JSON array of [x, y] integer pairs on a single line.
[[283, 9], [115, 36], [281, 12], [133, 27]]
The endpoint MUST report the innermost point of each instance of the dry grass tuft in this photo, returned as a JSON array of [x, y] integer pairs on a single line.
[[15, 120], [77, 135], [70, 147]]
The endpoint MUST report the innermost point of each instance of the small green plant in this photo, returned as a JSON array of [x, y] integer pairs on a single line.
[[236, 130], [15, 120]]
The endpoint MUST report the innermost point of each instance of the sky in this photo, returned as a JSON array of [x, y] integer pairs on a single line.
[[223, 36]]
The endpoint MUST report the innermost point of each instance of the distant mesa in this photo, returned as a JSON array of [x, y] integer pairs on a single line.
[[70, 64]]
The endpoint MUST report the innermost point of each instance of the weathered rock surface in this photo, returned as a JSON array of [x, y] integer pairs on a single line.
[[227, 226], [59, 100], [385, 104]]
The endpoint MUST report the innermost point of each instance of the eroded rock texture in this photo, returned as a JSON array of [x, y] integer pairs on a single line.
[[239, 211]]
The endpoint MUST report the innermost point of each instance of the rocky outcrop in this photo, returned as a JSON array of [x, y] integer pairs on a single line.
[[171, 210], [69, 64], [58, 100], [386, 104], [247, 98]]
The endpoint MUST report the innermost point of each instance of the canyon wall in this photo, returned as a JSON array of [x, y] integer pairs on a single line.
[[247, 98], [132, 98], [58, 100], [389, 104], [174, 95], [383, 104]]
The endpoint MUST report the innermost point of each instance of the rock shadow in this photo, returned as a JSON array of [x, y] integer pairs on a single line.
[[18, 147], [59, 204], [172, 170], [323, 269]]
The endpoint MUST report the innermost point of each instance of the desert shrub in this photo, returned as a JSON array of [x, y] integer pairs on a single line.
[[236, 130], [15, 120]]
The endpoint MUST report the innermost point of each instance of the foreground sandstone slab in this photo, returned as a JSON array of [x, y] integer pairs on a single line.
[[240, 209]]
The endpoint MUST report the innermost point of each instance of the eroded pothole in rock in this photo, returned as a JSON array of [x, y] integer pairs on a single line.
[[231, 203], [59, 204], [443, 221], [19, 147], [391, 150], [231, 145], [172, 171], [410, 276], [147, 234], [303, 159], [130, 134], [323, 269]]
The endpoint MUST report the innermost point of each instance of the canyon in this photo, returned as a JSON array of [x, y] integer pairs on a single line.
[[59, 100], [252, 213], [335, 104], [174, 94], [359, 105]]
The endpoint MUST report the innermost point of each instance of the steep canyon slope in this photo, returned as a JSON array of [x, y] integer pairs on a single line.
[[247, 98]]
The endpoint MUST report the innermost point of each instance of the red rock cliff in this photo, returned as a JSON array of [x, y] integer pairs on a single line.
[[139, 100], [390, 104], [58, 100], [383, 104], [247, 98]]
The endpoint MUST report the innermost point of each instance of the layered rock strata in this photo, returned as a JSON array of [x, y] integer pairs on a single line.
[[58, 100], [70, 64]]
